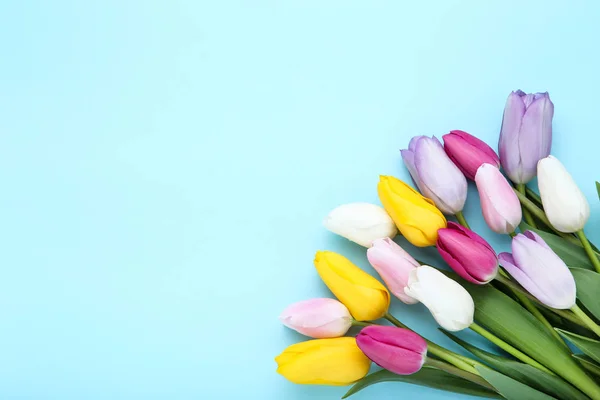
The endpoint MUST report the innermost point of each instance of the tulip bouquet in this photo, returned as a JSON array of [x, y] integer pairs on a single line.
[[539, 305]]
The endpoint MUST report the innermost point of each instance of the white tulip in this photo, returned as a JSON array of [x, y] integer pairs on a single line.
[[449, 303], [361, 223], [565, 205]]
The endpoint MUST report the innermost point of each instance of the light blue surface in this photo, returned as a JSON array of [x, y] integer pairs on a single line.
[[165, 167]]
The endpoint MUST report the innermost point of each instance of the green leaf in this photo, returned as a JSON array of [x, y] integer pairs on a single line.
[[513, 324], [589, 346], [588, 283], [524, 373], [427, 376], [570, 253], [510, 388], [598, 188], [588, 363]]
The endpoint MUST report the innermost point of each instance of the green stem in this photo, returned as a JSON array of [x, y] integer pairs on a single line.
[[530, 193], [588, 249], [451, 369], [534, 310], [512, 234], [508, 348], [561, 313], [361, 323], [437, 350], [461, 219], [587, 320], [526, 213]]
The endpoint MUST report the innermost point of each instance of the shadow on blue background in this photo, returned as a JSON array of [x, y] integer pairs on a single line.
[[165, 168]]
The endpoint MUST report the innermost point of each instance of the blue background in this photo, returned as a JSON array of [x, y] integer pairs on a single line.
[[165, 168]]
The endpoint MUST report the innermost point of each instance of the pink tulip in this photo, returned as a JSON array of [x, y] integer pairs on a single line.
[[467, 253], [398, 350], [393, 264], [318, 318], [468, 152], [499, 203]]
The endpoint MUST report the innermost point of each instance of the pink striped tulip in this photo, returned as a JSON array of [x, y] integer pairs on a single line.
[[393, 264], [468, 152], [398, 350], [318, 318], [499, 203], [540, 271], [467, 253]]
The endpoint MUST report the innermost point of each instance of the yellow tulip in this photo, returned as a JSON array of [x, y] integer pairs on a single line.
[[335, 362], [416, 217], [366, 298]]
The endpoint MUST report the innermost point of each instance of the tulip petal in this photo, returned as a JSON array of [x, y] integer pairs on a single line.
[[507, 262], [500, 205], [509, 136], [318, 318], [535, 140], [468, 152], [396, 359]]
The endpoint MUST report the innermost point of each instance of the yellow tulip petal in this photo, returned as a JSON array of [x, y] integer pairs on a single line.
[[335, 362]]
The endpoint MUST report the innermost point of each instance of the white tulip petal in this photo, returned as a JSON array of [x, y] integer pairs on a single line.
[[361, 223]]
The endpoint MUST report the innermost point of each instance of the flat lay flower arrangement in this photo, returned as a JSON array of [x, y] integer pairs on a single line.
[[538, 305]]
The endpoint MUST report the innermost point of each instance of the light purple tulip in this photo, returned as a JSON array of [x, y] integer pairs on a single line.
[[398, 350], [435, 174], [499, 203], [540, 271], [468, 152], [526, 134], [467, 253], [318, 318], [393, 264]]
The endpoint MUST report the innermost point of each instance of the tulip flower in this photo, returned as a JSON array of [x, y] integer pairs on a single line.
[[435, 174], [526, 134], [398, 350], [318, 318], [467, 253], [361, 223], [335, 362], [499, 203], [565, 205], [366, 298], [468, 152], [540, 271], [416, 216], [449, 303], [393, 264]]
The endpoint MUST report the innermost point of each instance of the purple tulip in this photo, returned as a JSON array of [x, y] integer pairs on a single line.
[[526, 134], [468, 152], [467, 253], [398, 350], [435, 174], [540, 271]]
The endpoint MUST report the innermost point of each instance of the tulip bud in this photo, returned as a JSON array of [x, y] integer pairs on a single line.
[[499, 203], [565, 205], [398, 350], [468, 152], [361, 223], [467, 253], [366, 298], [318, 318], [435, 174], [416, 216], [335, 362], [526, 134], [449, 303], [393, 264], [540, 271]]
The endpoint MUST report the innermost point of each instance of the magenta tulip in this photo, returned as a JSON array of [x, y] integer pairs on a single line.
[[499, 203], [467, 253], [540, 271], [318, 318], [468, 152], [393, 264], [398, 350]]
